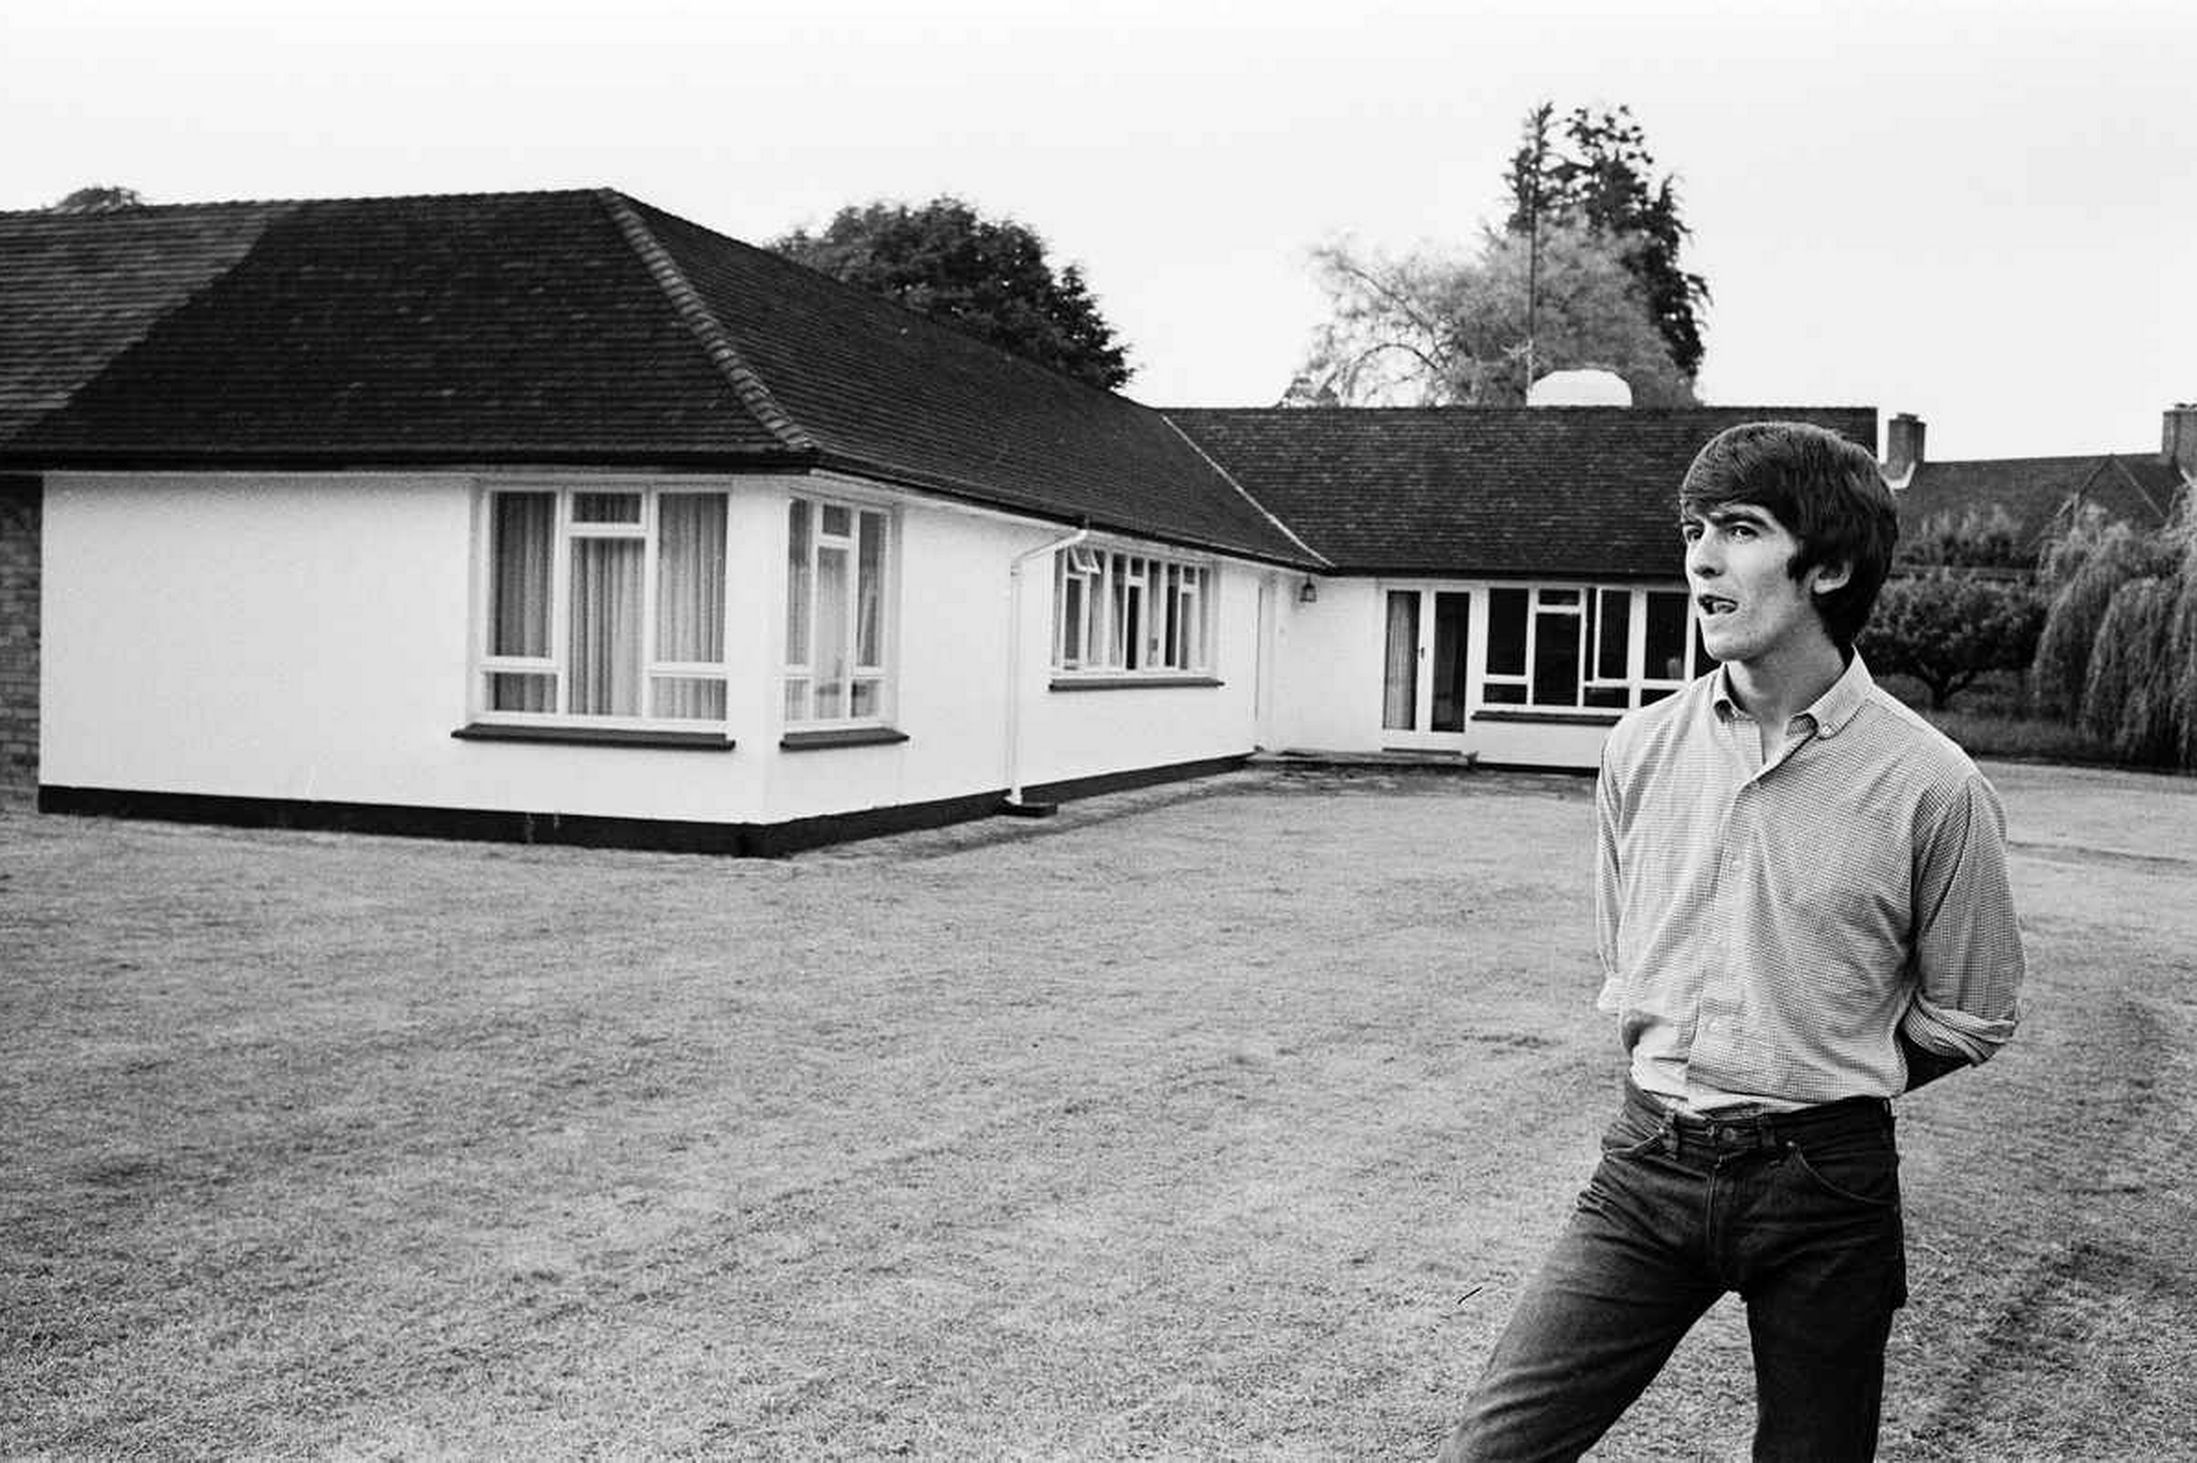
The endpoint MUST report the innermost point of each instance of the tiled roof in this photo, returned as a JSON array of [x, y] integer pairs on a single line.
[[2135, 486], [77, 289], [1558, 491], [552, 328]]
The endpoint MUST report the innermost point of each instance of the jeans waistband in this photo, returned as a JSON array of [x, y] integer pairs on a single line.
[[1763, 1129]]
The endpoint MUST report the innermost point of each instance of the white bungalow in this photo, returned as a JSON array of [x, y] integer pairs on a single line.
[[552, 516]]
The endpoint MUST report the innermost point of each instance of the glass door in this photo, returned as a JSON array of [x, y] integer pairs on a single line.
[[1424, 666]]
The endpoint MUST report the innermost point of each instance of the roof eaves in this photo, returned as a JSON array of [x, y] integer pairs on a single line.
[[1230, 478], [893, 475], [716, 341]]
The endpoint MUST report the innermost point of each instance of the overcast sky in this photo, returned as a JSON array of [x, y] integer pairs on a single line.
[[1982, 213]]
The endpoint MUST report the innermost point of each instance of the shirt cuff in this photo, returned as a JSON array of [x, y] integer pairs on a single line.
[[1612, 997], [1952, 1032]]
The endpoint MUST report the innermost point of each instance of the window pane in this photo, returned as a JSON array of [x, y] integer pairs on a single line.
[[1068, 610], [1556, 659], [831, 633], [1606, 696], [797, 583], [868, 699], [797, 698], [606, 507], [1612, 633], [606, 627], [1400, 671], [688, 698], [869, 612], [1506, 632], [835, 524], [1507, 693], [1666, 657], [522, 534], [508, 691], [1171, 616], [1559, 596], [690, 577], [1452, 627]]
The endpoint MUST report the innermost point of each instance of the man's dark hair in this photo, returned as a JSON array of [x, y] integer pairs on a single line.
[[1827, 493]]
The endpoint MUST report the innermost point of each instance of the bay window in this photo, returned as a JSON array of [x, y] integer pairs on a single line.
[[604, 605]]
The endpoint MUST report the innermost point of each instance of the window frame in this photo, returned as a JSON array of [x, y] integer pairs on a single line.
[[566, 530], [881, 672], [1587, 602], [1169, 600]]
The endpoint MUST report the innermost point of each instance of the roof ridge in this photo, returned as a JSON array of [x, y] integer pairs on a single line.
[[190, 205], [695, 313], [1245, 493]]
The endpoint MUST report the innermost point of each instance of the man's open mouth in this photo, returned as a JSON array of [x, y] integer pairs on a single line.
[[1715, 604]]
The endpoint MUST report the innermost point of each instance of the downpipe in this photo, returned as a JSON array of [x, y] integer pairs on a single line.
[[1014, 803]]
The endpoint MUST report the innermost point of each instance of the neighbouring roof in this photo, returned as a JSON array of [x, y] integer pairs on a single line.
[[1557, 491], [576, 327], [2136, 486]]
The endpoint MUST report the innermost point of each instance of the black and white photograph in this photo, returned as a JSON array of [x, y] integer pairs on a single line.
[[821, 729]]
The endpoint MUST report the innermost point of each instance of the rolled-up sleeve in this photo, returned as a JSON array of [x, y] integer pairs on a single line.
[[1967, 956]]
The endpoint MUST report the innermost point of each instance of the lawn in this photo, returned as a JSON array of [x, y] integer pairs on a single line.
[[1220, 1120]]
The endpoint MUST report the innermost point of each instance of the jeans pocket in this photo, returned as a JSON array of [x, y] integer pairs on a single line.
[[1631, 1136], [1863, 1175]]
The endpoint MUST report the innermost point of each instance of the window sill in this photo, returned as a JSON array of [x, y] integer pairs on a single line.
[[1129, 683], [1607, 717], [595, 736], [847, 736]]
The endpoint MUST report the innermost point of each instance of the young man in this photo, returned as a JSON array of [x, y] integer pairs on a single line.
[[1802, 911]]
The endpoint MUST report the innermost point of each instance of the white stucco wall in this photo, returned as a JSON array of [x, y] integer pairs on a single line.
[[307, 637], [1330, 661]]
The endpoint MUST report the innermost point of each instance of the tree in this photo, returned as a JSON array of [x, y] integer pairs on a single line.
[[985, 277], [98, 198], [1435, 329], [1599, 174], [2082, 571], [1976, 539], [1947, 628]]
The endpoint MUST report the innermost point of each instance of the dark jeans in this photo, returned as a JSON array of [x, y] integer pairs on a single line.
[[1800, 1214]]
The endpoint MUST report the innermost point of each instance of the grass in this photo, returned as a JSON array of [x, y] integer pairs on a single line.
[[1994, 718], [1214, 1121]]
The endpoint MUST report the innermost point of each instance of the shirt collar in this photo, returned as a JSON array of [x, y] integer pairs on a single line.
[[1830, 712]]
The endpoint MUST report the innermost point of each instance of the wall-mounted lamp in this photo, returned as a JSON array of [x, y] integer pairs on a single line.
[[1308, 593]]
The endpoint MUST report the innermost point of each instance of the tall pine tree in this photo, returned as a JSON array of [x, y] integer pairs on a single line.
[[1594, 169]]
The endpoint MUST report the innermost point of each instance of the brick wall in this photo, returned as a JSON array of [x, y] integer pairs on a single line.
[[21, 504]]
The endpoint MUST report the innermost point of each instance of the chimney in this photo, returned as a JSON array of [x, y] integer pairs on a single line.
[[2178, 438], [1903, 446]]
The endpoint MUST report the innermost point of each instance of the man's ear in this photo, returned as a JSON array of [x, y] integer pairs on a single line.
[[1831, 576]]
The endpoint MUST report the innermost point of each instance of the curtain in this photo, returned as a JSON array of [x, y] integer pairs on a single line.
[[1400, 690], [690, 601], [606, 626], [522, 534], [831, 633]]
